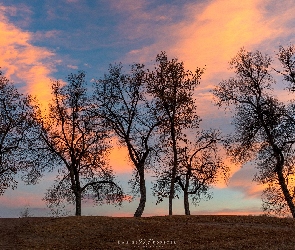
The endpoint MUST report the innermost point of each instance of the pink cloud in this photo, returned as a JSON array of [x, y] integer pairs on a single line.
[[22, 199], [249, 211], [128, 5]]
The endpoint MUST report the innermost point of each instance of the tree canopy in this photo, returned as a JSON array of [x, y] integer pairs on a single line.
[[264, 126], [77, 143]]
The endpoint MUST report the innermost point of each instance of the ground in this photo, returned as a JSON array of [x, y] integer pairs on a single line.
[[166, 232]]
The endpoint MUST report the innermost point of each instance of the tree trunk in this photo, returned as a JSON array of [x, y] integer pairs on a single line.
[[279, 170], [142, 190], [282, 181], [172, 187], [78, 203], [174, 169], [186, 203], [286, 192], [171, 196], [185, 197]]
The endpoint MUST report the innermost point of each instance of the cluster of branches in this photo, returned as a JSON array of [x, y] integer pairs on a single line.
[[17, 144], [264, 126], [150, 112]]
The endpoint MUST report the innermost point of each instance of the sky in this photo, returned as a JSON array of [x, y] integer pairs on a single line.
[[44, 40]]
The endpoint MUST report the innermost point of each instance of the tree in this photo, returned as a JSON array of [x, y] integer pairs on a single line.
[[131, 116], [16, 137], [76, 142], [264, 127], [172, 88], [200, 166]]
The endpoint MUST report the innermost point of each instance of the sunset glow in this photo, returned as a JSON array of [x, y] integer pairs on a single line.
[[44, 41], [119, 160], [22, 62]]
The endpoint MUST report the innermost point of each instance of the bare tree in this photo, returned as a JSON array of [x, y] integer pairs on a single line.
[[172, 88], [130, 115], [200, 166], [16, 137], [286, 56], [264, 128], [76, 142]]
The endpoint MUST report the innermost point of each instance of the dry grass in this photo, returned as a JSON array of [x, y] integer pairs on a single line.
[[168, 232]]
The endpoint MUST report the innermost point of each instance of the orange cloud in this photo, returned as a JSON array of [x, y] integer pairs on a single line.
[[214, 36], [233, 169], [119, 160], [23, 62], [242, 180], [208, 34]]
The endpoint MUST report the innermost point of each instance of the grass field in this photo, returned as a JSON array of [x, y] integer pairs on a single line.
[[166, 232]]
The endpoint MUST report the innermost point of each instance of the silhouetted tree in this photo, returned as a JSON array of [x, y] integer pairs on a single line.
[[76, 142], [200, 166], [286, 57], [172, 88], [264, 127], [130, 115], [16, 137]]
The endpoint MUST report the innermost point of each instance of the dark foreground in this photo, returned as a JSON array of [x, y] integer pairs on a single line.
[[174, 232]]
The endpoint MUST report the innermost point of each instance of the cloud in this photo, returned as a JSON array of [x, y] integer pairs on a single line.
[[242, 180], [130, 6], [72, 66], [248, 211], [119, 160], [21, 199], [208, 34], [21, 61], [205, 33]]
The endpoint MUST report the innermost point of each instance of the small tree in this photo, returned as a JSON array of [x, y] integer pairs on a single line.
[[76, 142], [130, 115], [200, 166], [16, 137], [172, 88], [264, 127]]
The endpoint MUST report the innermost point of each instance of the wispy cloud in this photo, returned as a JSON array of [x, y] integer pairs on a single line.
[[72, 66], [242, 180], [209, 33], [248, 211], [72, 1], [23, 62], [22, 199]]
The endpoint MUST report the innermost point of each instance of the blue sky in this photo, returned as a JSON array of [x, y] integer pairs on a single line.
[[43, 40]]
